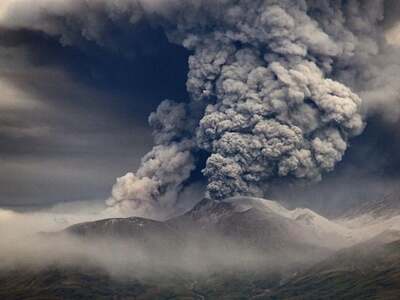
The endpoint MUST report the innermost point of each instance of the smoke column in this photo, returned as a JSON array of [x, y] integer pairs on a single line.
[[277, 88]]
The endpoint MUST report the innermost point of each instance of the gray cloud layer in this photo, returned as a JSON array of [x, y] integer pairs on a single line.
[[277, 88], [60, 139]]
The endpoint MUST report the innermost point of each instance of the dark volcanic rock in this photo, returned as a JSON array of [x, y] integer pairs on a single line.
[[121, 228]]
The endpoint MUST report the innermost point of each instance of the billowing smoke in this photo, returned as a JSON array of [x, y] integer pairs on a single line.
[[157, 182], [277, 88]]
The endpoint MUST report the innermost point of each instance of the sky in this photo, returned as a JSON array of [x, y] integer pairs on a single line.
[[75, 103], [74, 119]]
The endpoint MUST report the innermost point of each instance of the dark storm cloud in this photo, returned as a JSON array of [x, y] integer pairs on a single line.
[[62, 146], [74, 118]]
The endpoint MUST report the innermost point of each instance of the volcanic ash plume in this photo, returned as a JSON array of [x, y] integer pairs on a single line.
[[272, 88], [262, 70], [157, 182]]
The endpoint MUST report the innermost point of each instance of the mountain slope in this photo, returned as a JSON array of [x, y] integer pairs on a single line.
[[386, 206], [254, 222], [296, 225], [373, 217], [55, 283], [370, 270], [240, 248]]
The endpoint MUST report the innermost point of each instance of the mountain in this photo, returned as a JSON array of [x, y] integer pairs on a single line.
[[250, 232], [324, 232], [249, 216], [226, 250], [258, 222], [262, 224], [370, 270], [372, 217], [120, 227], [239, 248], [386, 206], [55, 283]]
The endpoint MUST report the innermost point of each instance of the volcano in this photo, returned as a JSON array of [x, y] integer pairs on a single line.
[[239, 248]]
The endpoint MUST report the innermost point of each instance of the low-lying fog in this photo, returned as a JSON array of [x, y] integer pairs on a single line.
[[25, 243], [273, 238]]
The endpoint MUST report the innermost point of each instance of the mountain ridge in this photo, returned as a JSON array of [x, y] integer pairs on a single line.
[[295, 263]]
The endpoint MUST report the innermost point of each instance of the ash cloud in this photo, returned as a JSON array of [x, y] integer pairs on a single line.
[[276, 88]]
